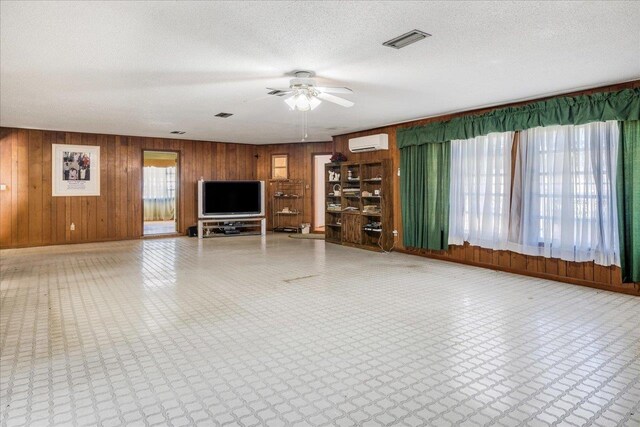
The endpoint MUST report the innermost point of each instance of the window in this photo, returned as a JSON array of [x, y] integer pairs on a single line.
[[279, 166], [171, 182], [564, 195], [479, 190]]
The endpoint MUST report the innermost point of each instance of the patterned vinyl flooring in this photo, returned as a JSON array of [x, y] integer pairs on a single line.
[[274, 331]]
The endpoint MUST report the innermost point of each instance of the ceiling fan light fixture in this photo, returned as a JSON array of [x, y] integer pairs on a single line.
[[291, 102], [314, 102], [302, 101], [304, 95]]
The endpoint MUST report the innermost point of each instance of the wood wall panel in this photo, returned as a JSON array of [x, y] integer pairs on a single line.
[[54, 218], [23, 187], [102, 219], [30, 216], [6, 173], [14, 188], [34, 193]]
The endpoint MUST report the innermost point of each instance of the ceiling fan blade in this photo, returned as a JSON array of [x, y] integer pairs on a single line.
[[333, 89], [279, 92], [335, 99]]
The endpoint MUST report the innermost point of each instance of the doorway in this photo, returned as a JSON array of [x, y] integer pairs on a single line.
[[159, 192], [319, 160]]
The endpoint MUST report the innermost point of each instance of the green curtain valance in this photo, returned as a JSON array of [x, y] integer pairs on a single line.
[[622, 105]]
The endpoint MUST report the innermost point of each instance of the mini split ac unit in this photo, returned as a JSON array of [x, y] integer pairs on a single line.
[[369, 143]]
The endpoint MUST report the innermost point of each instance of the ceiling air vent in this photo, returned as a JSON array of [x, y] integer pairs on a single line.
[[178, 132], [406, 39], [224, 115]]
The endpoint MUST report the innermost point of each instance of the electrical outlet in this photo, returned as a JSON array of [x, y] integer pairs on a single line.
[[395, 233], [72, 227]]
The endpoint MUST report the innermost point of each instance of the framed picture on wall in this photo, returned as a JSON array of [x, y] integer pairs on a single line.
[[75, 170]]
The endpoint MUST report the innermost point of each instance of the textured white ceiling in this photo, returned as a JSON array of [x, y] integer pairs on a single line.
[[144, 68]]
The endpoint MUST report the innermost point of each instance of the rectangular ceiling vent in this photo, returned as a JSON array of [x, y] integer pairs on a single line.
[[278, 92], [406, 39], [224, 115], [178, 132]]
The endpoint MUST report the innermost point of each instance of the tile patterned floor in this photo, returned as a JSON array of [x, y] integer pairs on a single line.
[[275, 331]]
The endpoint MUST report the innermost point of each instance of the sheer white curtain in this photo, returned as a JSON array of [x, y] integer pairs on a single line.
[[480, 187], [159, 193], [564, 194]]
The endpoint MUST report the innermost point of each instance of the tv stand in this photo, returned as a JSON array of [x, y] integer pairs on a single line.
[[231, 227]]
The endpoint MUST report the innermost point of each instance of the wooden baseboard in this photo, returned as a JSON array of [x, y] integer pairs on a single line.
[[626, 288], [110, 239]]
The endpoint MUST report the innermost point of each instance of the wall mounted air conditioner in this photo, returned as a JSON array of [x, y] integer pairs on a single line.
[[369, 143]]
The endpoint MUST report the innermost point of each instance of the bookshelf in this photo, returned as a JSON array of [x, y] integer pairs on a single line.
[[359, 204]]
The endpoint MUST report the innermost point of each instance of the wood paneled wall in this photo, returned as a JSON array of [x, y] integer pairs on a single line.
[[300, 167], [585, 273], [30, 216]]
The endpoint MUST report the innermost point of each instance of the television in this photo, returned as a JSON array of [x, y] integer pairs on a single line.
[[230, 199]]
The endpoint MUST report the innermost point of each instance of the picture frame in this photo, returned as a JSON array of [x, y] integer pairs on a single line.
[[75, 170]]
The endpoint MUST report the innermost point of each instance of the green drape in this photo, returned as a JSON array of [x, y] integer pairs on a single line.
[[621, 105], [628, 188], [424, 188]]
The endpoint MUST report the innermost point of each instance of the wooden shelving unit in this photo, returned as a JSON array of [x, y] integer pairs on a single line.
[[359, 204], [287, 204]]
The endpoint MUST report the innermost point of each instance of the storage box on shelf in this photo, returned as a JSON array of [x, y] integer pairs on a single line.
[[287, 205], [358, 198]]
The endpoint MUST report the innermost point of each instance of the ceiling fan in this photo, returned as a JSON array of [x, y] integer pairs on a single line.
[[305, 95]]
